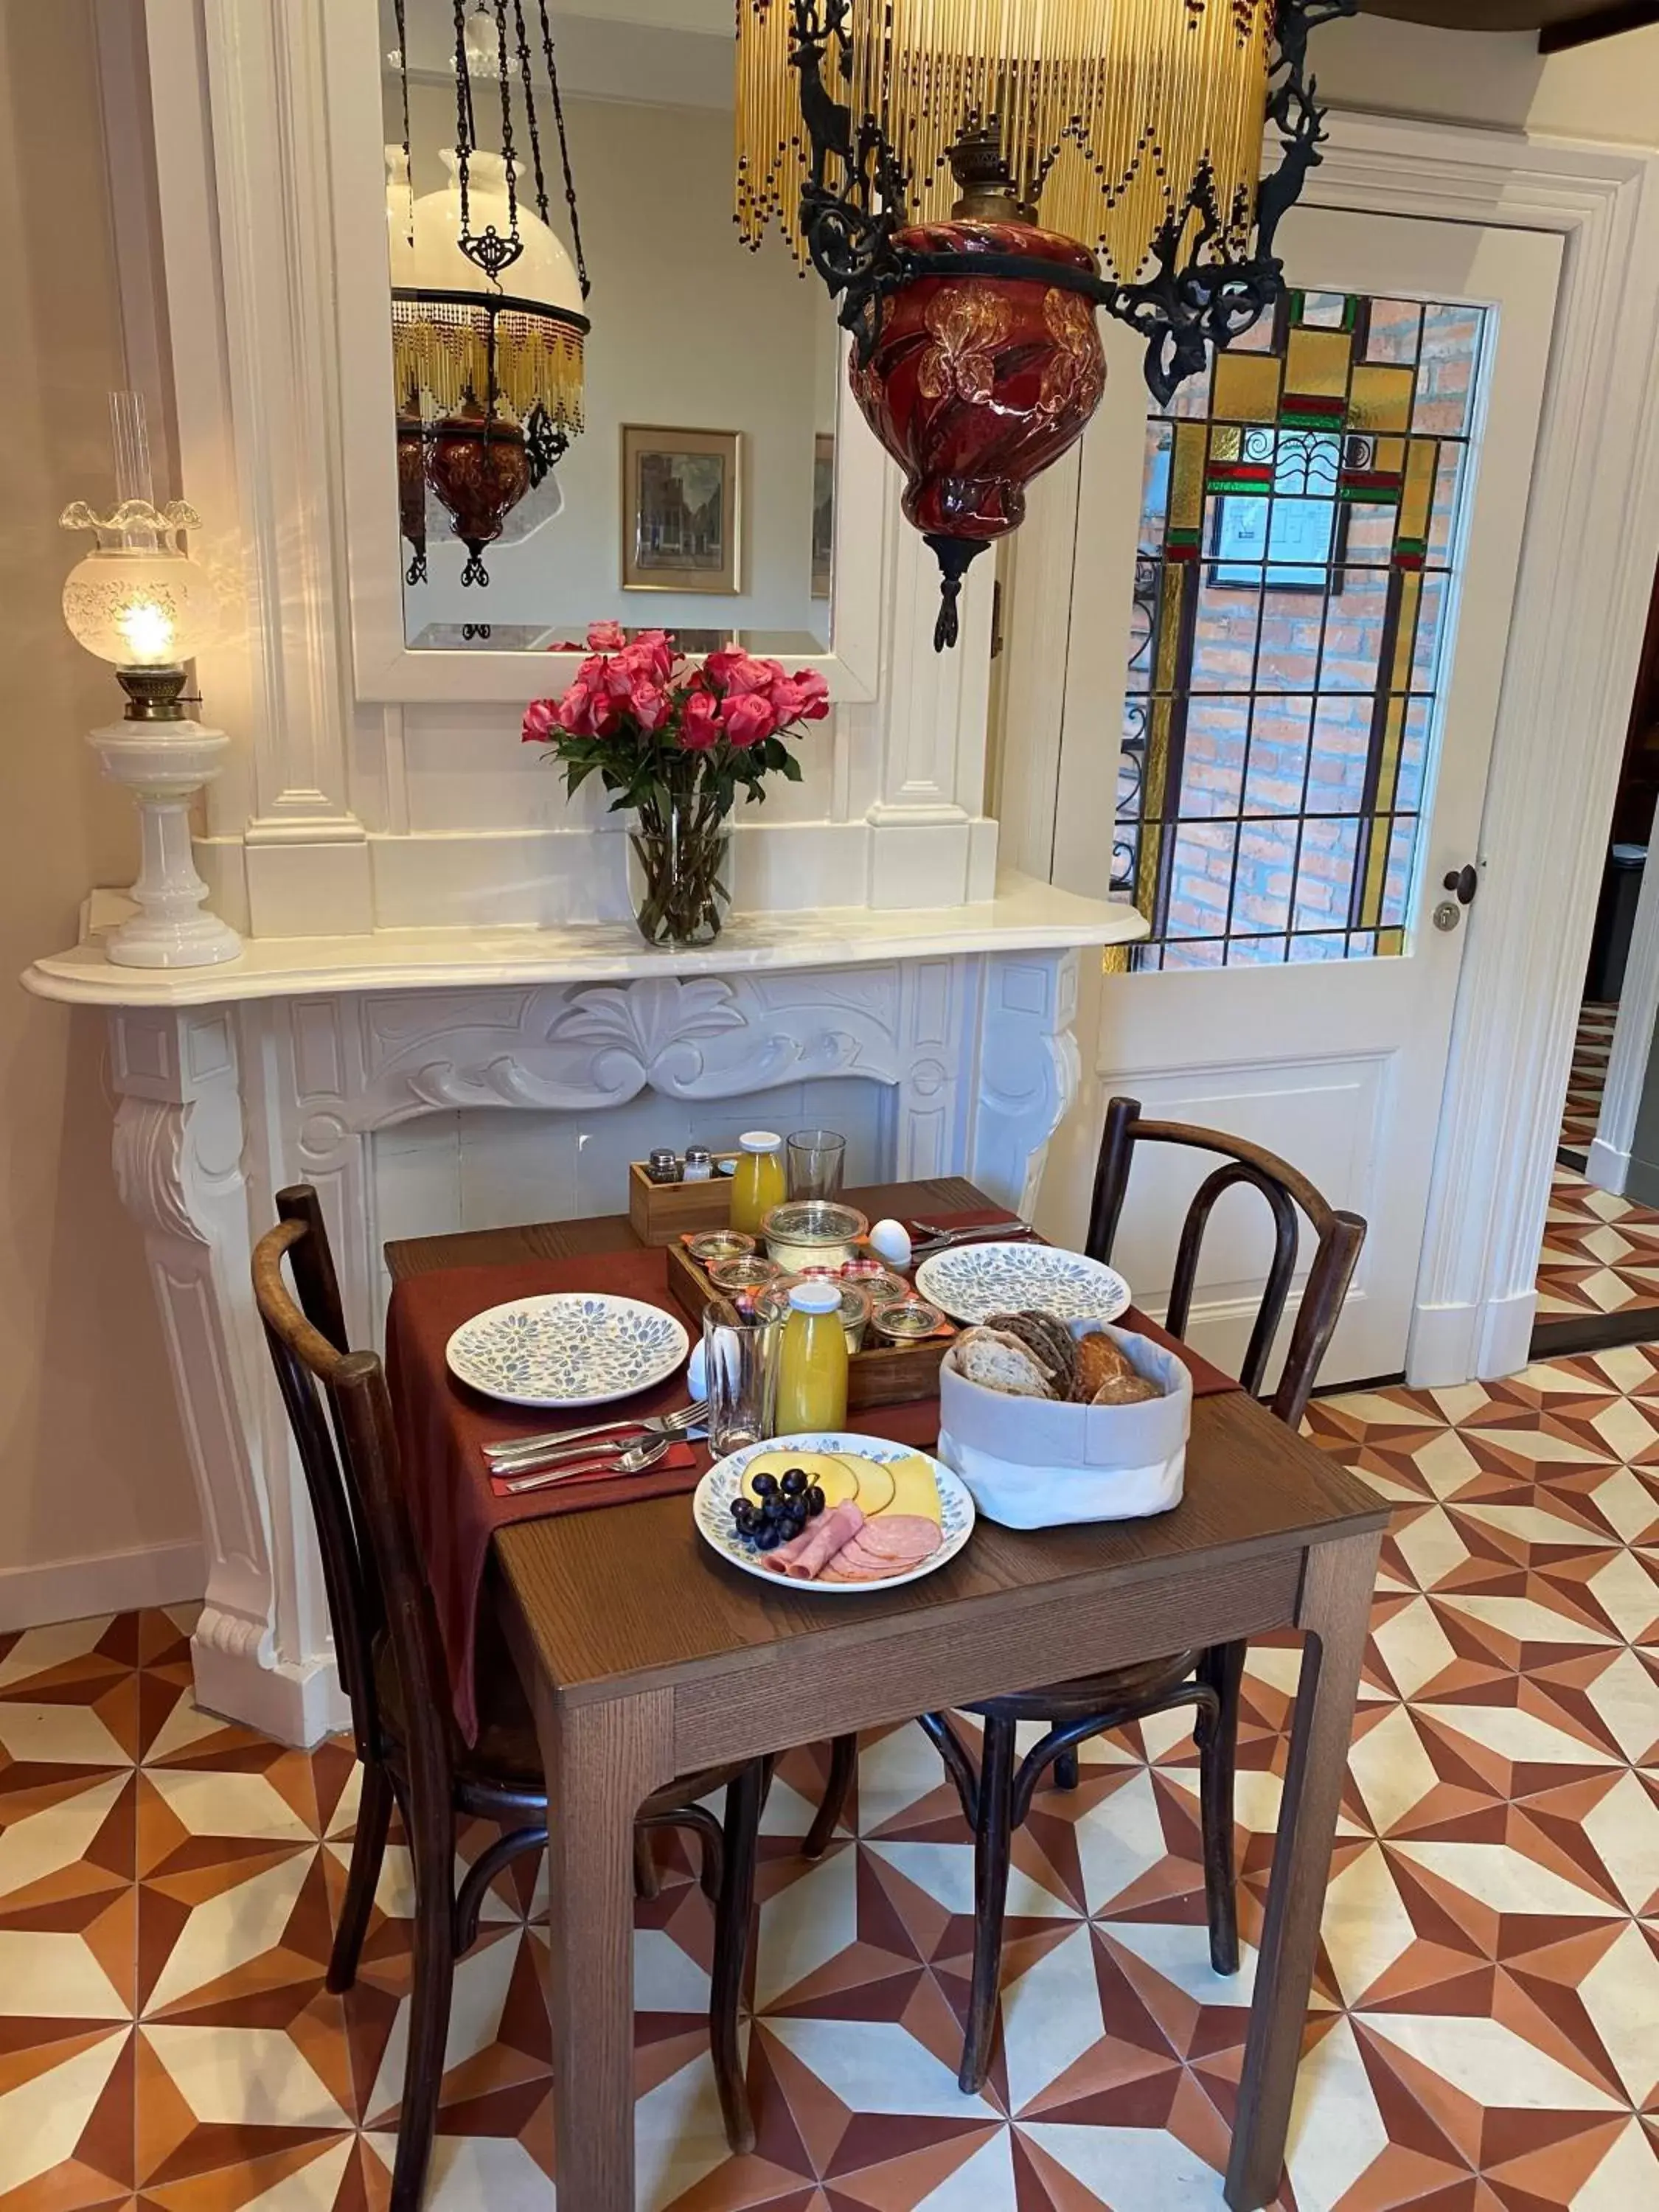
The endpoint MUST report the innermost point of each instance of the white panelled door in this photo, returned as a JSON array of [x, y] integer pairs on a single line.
[[1324, 567]]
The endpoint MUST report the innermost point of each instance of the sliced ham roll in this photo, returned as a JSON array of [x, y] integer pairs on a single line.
[[803, 1558]]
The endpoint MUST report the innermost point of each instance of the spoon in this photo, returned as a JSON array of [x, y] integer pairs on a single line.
[[634, 1461], [520, 1451]]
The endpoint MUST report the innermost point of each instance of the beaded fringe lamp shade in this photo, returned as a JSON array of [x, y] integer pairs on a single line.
[[1116, 118], [972, 178], [443, 350], [488, 320]]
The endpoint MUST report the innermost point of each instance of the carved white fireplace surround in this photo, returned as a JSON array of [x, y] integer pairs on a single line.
[[281, 1068]]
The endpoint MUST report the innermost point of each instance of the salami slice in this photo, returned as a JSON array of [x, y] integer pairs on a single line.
[[903, 1536]]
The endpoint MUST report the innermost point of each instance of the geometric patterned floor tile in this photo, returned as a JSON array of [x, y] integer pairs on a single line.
[[1587, 1076], [1600, 1253], [1484, 2035]]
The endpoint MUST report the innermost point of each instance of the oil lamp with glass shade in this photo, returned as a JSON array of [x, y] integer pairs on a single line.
[[139, 601]]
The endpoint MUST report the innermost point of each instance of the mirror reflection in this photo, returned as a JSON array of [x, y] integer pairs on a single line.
[[607, 407]]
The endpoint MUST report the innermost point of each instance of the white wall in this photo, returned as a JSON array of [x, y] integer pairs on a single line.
[[1609, 90], [96, 1505], [689, 331]]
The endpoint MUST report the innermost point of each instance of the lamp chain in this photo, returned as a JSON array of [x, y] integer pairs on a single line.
[[507, 124], [528, 81], [400, 13], [464, 139], [564, 147]]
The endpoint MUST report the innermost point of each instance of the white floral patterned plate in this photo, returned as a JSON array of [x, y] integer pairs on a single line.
[[711, 1507], [973, 1281], [569, 1348]]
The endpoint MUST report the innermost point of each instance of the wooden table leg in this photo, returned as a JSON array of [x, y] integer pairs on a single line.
[[602, 1761], [1335, 1607]]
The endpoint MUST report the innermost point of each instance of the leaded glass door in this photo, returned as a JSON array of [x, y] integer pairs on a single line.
[[1323, 566], [1298, 530]]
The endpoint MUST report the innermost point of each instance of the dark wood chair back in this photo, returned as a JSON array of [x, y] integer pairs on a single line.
[[340, 1411], [1340, 1236]]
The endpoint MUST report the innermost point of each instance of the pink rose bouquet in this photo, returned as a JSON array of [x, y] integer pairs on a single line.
[[676, 741]]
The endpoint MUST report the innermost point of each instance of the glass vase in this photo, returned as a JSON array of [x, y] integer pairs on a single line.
[[679, 871]]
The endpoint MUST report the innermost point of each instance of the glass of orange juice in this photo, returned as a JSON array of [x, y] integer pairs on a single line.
[[758, 1183], [812, 1360]]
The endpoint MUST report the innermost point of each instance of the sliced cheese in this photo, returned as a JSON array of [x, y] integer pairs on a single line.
[[837, 1478], [875, 1484], [915, 1490]]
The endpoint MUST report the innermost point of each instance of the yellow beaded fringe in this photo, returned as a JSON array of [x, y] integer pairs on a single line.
[[441, 355], [1110, 110]]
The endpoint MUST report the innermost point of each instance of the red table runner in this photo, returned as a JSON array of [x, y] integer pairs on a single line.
[[443, 1426]]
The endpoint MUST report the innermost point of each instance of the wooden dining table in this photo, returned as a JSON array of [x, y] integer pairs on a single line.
[[646, 1656]]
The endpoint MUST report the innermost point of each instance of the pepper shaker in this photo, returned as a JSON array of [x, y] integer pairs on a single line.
[[663, 1165]]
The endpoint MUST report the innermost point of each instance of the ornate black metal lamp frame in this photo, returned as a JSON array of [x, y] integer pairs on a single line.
[[545, 440], [1184, 308]]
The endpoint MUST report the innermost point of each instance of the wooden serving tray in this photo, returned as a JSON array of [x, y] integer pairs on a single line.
[[890, 1375], [659, 1212]]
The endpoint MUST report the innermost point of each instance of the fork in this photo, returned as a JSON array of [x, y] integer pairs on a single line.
[[932, 1238], [634, 1460], [502, 1456]]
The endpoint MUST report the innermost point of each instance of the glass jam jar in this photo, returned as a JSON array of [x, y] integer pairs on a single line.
[[812, 1232]]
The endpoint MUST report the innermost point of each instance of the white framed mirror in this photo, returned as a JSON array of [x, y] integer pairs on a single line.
[[722, 483]]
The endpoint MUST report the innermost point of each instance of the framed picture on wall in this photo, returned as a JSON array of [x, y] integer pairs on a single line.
[[682, 509], [823, 511]]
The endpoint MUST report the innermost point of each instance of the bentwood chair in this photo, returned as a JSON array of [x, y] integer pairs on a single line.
[[996, 1793], [386, 1646]]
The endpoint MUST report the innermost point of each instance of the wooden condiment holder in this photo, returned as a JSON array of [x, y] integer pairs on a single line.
[[881, 1375], [659, 1212]]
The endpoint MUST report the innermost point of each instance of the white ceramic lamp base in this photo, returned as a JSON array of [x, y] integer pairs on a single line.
[[163, 764]]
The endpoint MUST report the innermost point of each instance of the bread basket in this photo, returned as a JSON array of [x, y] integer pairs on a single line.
[[1036, 1464]]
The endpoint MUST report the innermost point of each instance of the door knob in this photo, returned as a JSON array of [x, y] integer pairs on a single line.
[[1463, 882]]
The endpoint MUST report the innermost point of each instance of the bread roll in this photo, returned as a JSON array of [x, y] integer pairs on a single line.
[[998, 1361], [1126, 1390], [1098, 1359]]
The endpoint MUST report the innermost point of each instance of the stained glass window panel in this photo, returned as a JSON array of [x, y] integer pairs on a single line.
[[1299, 529]]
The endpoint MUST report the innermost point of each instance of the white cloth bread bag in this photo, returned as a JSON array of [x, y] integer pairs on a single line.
[[1036, 1464]]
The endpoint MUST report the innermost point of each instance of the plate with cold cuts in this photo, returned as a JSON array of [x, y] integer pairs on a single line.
[[567, 1348], [971, 1282], [872, 1514]]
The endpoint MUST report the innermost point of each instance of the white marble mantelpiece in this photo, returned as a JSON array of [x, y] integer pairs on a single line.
[[286, 1066], [1024, 915]]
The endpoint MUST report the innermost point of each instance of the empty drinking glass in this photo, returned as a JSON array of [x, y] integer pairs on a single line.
[[740, 1365], [817, 1158]]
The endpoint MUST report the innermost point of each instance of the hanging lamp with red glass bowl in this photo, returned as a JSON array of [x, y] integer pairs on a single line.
[[489, 327], [942, 136]]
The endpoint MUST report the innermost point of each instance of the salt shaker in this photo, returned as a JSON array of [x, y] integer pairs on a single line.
[[699, 1163]]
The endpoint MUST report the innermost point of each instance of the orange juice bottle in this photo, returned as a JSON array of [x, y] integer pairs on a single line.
[[812, 1361], [758, 1183]]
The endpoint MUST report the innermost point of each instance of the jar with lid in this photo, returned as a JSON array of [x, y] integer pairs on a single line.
[[812, 1361], [812, 1232]]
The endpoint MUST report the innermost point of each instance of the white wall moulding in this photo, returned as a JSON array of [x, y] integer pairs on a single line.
[[288, 1067], [107, 1581], [1591, 541]]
